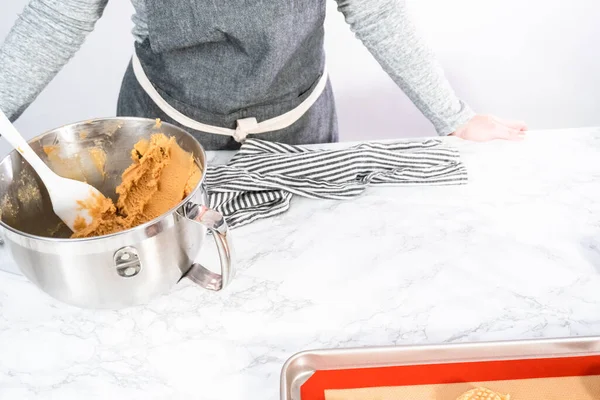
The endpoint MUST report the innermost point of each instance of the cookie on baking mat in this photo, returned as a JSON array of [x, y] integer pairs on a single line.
[[482, 393]]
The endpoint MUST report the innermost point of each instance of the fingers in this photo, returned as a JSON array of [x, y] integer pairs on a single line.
[[483, 128], [519, 125], [517, 135], [510, 133]]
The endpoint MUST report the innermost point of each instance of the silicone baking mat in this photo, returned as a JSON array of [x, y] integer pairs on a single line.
[[565, 378]]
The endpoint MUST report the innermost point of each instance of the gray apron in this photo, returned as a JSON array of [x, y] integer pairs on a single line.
[[221, 61]]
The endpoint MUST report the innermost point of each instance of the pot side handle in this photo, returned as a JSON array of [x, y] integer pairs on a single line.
[[216, 224]]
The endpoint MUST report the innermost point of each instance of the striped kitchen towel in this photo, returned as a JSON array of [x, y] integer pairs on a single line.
[[262, 177]]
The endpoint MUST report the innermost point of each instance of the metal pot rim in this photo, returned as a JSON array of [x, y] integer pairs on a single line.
[[126, 231]]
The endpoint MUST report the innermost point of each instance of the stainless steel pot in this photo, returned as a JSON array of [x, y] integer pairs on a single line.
[[117, 270]]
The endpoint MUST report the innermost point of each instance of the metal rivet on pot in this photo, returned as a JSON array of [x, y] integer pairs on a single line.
[[127, 262]]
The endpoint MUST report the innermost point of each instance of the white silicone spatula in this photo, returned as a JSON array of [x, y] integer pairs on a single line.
[[66, 194]]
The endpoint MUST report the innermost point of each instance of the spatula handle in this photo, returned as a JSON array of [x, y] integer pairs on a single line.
[[10, 133]]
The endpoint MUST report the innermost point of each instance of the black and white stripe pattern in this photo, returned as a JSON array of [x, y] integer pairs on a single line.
[[261, 178]]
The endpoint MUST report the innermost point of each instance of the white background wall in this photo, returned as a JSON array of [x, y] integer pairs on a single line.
[[536, 60]]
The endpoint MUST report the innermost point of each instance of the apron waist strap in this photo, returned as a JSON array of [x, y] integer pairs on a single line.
[[245, 126]]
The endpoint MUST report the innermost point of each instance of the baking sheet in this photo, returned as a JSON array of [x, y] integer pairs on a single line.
[[548, 368], [522, 379]]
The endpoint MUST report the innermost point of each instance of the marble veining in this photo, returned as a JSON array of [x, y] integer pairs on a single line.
[[514, 254]]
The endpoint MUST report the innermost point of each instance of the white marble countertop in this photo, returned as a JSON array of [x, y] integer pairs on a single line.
[[514, 254]]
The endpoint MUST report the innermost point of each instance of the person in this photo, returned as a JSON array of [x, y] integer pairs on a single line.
[[226, 70]]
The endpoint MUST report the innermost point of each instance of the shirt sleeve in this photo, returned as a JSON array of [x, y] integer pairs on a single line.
[[386, 29], [43, 39]]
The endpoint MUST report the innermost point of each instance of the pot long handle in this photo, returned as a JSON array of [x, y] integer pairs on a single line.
[[216, 224]]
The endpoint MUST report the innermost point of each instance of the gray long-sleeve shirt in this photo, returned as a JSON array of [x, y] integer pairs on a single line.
[[49, 32]]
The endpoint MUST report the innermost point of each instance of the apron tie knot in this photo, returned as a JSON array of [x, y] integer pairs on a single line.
[[244, 127]]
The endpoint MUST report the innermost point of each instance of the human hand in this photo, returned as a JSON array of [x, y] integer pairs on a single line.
[[483, 128]]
